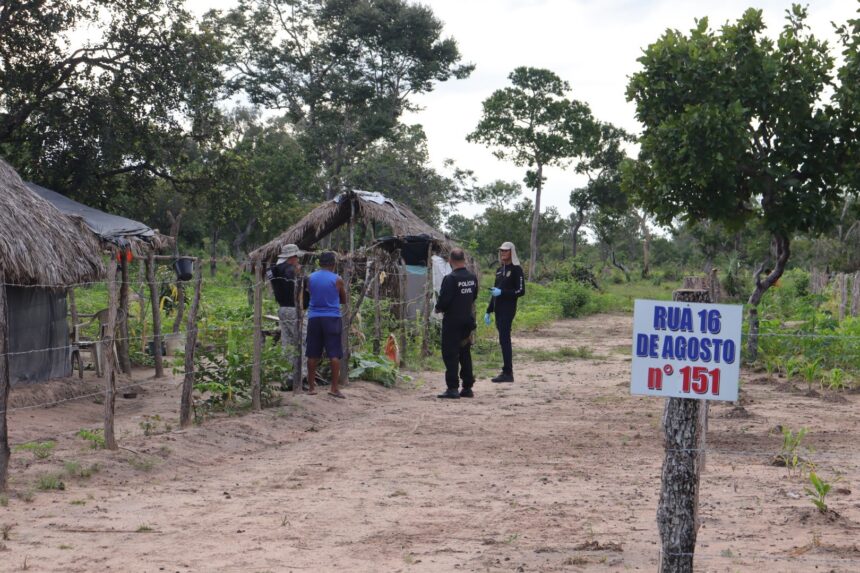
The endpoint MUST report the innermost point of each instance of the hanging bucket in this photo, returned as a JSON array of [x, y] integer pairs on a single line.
[[184, 267]]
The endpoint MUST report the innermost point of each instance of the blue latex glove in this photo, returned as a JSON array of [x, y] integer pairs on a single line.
[[496, 291], [487, 319]]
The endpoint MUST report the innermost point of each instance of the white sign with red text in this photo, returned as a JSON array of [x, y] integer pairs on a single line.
[[686, 350]]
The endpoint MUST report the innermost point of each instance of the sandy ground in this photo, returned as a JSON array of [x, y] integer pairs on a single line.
[[557, 472]]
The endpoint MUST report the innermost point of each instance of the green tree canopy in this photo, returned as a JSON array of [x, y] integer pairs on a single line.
[[736, 128], [534, 125], [343, 70]]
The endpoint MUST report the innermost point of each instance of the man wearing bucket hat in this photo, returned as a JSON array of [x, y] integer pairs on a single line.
[[284, 276], [509, 286]]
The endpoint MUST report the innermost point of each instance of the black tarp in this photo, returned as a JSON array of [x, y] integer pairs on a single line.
[[112, 228], [38, 335]]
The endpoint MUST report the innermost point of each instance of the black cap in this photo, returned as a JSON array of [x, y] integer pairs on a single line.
[[327, 259]]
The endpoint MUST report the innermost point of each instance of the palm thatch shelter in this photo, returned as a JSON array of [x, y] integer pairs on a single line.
[[41, 251], [403, 254]]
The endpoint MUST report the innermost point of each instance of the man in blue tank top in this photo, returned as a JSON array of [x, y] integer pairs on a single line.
[[324, 322]]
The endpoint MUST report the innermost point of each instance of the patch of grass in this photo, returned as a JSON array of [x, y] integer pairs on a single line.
[[144, 528], [77, 470], [49, 482], [96, 437], [4, 500], [40, 450], [26, 496], [66, 547], [142, 464], [5, 530], [560, 354], [78, 502]]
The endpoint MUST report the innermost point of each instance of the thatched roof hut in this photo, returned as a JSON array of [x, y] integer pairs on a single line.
[[38, 244], [361, 206]]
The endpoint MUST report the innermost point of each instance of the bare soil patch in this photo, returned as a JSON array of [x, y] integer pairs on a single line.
[[557, 472]]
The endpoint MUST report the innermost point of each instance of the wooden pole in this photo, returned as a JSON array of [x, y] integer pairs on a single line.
[[347, 319], [109, 357], [677, 510], [299, 292], [256, 367], [156, 316], [843, 295], [377, 314], [190, 345], [428, 296], [402, 314], [123, 343], [73, 307], [5, 384], [855, 294]]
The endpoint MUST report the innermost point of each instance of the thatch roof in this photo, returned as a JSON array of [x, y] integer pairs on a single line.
[[38, 244], [368, 207]]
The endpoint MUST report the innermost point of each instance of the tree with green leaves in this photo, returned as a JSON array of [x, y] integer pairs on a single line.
[[736, 128], [534, 125], [342, 70], [110, 112]]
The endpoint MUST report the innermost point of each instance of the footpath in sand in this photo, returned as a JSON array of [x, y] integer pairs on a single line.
[[557, 472]]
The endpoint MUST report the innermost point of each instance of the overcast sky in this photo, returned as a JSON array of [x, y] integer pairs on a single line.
[[592, 44]]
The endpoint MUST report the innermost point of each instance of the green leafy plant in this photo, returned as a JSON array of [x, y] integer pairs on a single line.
[[818, 492], [77, 470], [51, 482], [96, 437], [810, 370], [365, 366], [837, 380], [40, 450], [149, 424], [790, 454]]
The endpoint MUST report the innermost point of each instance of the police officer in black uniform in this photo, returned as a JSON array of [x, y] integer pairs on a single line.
[[510, 285], [456, 298]]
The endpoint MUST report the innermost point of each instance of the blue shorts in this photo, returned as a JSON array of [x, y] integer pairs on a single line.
[[324, 332]]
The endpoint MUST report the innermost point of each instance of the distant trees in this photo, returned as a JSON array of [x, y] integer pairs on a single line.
[[534, 125], [737, 128], [342, 70]]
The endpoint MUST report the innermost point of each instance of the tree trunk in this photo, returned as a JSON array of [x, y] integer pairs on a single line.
[[213, 253], [346, 321], [190, 346], [109, 357], [156, 315], [533, 243], [646, 248], [684, 427], [180, 304], [175, 224], [428, 296], [377, 315], [5, 385], [580, 219], [402, 313], [242, 238], [781, 246]]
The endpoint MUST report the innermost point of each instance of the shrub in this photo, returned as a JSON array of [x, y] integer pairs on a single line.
[[573, 297]]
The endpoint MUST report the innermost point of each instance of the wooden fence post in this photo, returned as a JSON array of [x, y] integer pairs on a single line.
[[299, 295], [107, 343], [855, 294], [843, 295], [677, 510], [123, 344], [256, 368], [428, 296], [377, 313], [156, 315], [402, 314], [346, 321], [5, 384], [190, 345]]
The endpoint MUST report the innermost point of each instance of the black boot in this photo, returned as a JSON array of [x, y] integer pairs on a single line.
[[467, 393], [503, 377], [449, 393]]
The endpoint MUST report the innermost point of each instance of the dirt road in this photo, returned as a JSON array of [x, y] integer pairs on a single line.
[[557, 472]]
